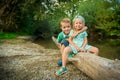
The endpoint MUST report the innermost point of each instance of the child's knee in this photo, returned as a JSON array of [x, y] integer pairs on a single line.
[[67, 50], [96, 51]]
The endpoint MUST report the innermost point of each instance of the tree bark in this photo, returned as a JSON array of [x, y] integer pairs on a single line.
[[98, 68]]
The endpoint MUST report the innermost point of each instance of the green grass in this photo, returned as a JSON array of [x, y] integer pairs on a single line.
[[4, 35]]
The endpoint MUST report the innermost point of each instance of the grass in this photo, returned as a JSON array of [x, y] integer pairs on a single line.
[[4, 35]]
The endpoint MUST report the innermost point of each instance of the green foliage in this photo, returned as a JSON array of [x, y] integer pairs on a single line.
[[88, 8], [27, 24], [107, 18], [43, 29], [7, 35], [25, 16]]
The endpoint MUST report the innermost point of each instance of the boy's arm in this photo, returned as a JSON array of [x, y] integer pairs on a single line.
[[55, 41], [83, 29]]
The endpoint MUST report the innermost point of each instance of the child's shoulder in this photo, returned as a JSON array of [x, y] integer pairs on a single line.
[[60, 34], [71, 32], [84, 32]]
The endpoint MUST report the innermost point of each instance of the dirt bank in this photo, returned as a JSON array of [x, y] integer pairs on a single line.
[[23, 60]]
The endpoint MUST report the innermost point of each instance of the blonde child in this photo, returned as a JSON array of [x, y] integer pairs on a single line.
[[62, 39], [77, 43]]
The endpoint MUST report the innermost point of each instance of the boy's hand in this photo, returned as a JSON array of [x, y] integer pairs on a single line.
[[55, 41], [74, 35]]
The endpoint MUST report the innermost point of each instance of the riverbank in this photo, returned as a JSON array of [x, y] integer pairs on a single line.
[[20, 59]]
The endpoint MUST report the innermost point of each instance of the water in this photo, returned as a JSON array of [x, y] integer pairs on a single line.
[[109, 48]]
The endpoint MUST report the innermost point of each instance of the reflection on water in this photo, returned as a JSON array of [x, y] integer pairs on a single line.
[[108, 48], [49, 44]]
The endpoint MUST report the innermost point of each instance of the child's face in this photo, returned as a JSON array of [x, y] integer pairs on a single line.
[[66, 27], [78, 24]]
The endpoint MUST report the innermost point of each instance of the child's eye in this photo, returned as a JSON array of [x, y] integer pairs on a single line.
[[64, 27]]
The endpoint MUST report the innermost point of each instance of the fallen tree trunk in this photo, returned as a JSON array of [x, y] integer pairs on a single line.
[[98, 68]]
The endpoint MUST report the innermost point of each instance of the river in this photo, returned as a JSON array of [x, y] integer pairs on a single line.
[[108, 48]]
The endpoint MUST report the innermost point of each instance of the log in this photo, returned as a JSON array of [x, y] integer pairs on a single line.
[[98, 68]]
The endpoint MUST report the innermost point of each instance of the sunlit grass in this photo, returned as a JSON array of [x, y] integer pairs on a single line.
[[7, 35]]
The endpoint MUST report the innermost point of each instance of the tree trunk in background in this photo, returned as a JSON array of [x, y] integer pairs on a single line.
[[8, 11]]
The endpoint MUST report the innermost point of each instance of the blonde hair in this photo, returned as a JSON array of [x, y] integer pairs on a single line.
[[65, 20], [80, 17]]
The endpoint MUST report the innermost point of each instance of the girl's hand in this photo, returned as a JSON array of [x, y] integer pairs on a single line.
[[77, 48], [82, 50]]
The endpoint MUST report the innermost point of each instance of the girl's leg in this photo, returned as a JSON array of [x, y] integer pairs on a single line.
[[94, 50]]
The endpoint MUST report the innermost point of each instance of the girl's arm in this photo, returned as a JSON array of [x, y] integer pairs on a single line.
[[84, 44], [71, 42]]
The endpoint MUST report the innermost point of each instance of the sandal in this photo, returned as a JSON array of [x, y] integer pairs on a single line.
[[59, 63], [61, 71], [70, 55]]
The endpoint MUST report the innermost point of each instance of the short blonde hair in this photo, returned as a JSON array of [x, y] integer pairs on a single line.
[[65, 20]]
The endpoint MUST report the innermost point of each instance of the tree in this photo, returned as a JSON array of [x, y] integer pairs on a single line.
[[107, 18]]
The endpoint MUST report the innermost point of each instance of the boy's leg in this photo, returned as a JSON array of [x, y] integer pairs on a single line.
[[64, 43], [64, 60], [94, 50]]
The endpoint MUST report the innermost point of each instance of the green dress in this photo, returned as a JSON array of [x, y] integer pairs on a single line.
[[79, 40]]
